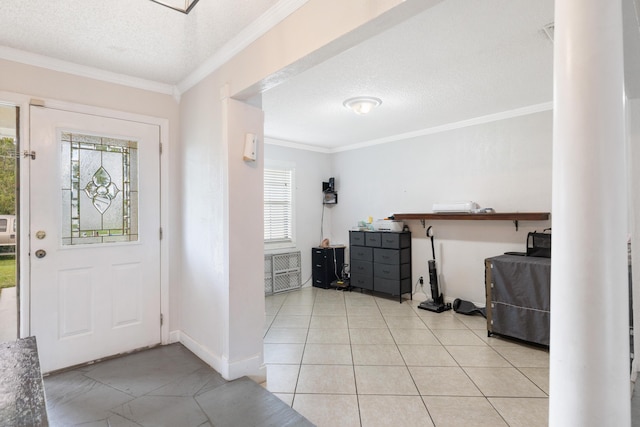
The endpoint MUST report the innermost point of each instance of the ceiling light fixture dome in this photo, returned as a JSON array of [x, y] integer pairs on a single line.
[[362, 104], [183, 6]]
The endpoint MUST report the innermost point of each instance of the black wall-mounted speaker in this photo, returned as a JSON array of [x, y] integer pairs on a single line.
[[329, 187]]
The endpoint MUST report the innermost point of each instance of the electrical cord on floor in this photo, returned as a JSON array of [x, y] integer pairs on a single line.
[[420, 282], [306, 281]]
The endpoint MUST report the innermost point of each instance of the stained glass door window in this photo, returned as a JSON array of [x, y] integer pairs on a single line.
[[99, 189]]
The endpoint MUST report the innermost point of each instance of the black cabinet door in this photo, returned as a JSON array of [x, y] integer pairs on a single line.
[[327, 266]]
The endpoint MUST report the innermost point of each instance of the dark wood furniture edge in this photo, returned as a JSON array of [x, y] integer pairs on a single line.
[[502, 216], [498, 216]]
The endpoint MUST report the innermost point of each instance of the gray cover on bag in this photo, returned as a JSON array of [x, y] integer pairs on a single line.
[[520, 297]]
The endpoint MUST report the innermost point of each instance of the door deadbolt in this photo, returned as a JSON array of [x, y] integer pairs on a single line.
[[41, 253], [41, 235]]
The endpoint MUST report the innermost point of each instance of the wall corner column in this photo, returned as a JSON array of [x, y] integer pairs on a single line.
[[589, 348]]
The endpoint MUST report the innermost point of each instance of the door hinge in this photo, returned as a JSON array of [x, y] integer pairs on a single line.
[[160, 144], [31, 154], [160, 233], [161, 319]]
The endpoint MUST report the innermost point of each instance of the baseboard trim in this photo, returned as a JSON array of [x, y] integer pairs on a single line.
[[253, 367], [174, 337]]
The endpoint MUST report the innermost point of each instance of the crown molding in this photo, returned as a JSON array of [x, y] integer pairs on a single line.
[[290, 144], [503, 115], [54, 64], [248, 35]]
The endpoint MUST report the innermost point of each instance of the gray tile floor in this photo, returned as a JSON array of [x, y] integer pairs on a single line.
[[338, 358], [353, 359], [164, 386]]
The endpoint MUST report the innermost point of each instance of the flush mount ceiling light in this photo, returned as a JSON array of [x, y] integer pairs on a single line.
[[362, 104], [183, 6]]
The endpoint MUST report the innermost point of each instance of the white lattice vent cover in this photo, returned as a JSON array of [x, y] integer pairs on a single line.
[[286, 262], [286, 281], [282, 272]]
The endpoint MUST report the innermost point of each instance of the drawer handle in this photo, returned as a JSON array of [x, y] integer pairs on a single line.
[[386, 271], [386, 257], [318, 265]]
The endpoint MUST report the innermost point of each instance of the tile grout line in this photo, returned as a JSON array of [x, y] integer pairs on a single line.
[[353, 368], [409, 370], [468, 327], [304, 349]]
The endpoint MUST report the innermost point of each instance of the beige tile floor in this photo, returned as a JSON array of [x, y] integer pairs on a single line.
[[353, 359]]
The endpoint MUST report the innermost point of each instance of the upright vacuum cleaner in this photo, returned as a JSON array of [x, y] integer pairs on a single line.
[[436, 303]]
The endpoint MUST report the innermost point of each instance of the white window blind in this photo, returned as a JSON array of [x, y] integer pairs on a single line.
[[278, 206]]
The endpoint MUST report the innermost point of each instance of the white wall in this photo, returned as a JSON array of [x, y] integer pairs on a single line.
[[204, 296], [311, 169], [505, 165], [209, 313], [245, 223]]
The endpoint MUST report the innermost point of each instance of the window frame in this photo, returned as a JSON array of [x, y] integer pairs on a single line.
[[291, 241]]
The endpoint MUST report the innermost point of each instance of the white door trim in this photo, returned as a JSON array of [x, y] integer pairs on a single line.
[[23, 102]]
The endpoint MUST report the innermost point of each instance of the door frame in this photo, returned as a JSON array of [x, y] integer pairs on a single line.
[[23, 101]]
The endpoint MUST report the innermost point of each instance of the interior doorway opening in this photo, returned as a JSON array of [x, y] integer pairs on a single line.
[[9, 227]]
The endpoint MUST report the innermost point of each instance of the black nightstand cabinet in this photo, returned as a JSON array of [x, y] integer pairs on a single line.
[[381, 261], [327, 265]]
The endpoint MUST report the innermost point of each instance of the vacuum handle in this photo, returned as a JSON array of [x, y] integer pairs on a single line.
[[433, 249], [433, 280]]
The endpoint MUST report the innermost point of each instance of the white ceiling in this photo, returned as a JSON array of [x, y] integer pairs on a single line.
[[136, 38], [458, 61]]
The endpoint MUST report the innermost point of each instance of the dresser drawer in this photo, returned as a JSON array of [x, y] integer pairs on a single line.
[[392, 256], [361, 253], [356, 238], [389, 271], [373, 239], [318, 257], [360, 281], [362, 268], [395, 240], [393, 287]]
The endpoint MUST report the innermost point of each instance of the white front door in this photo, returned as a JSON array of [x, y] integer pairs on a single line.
[[94, 236]]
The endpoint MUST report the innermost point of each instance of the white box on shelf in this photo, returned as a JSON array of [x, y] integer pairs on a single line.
[[388, 225], [462, 207]]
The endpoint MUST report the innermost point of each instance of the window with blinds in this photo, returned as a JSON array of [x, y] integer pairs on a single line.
[[278, 205]]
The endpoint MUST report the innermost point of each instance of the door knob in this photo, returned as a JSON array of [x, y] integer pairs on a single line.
[[41, 253]]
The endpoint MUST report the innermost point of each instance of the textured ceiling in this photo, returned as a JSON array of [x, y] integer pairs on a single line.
[[137, 38], [458, 60]]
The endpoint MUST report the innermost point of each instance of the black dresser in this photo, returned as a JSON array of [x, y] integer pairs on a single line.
[[327, 265], [381, 261]]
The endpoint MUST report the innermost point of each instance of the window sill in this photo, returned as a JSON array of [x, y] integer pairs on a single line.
[[279, 247]]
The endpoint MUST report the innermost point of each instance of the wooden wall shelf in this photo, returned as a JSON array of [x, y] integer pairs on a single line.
[[502, 216]]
